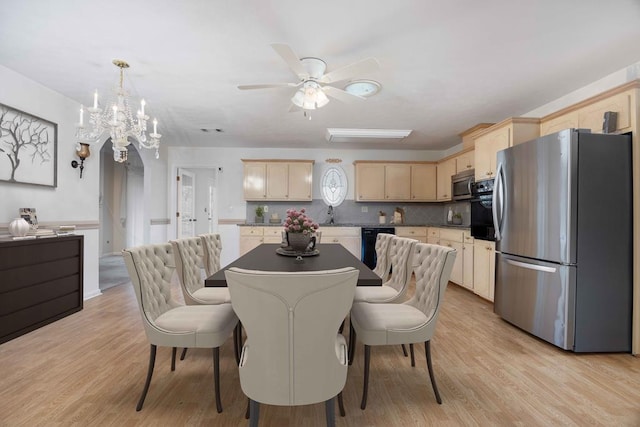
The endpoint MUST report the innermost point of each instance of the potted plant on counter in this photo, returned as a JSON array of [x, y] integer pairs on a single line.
[[259, 214], [457, 218]]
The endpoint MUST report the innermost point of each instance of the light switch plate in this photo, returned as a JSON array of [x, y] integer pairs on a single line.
[[364, 209]]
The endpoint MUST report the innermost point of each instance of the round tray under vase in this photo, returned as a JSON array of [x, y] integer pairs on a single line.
[[288, 252]]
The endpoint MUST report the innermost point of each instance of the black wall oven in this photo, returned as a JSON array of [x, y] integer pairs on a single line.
[[482, 210]]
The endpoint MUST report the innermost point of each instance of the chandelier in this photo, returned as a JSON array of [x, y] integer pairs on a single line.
[[117, 119]]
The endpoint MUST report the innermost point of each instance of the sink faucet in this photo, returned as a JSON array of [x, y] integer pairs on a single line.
[[330, 213]]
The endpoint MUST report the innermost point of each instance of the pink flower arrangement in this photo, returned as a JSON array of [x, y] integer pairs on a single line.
[[299, 222]]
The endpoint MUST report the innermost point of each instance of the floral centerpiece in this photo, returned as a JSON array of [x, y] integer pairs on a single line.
[[299, 228]]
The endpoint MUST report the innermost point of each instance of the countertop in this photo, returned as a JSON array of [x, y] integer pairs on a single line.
[[354, 224]]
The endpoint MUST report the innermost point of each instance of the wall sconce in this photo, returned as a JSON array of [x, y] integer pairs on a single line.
[[83, 152]]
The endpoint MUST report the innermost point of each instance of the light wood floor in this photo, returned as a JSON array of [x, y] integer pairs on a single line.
[[89, 368]]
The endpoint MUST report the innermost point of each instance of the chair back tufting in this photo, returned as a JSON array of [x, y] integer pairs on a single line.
[[432, 268]]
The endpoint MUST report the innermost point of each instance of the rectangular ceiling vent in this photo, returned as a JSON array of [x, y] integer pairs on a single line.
[[366, 135]]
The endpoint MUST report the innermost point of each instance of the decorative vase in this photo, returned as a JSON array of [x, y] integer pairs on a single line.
[[298, 242], [457, 220], [19, 227]]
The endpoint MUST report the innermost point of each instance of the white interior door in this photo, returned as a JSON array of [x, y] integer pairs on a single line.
[[186, 203]]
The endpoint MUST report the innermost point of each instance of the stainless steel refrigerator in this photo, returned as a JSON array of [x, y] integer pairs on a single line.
[[562, 208]]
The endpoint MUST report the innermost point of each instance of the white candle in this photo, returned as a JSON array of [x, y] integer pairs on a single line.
[[115, 114], [142, 106], [95, 99], [81, 114], [155, 125]]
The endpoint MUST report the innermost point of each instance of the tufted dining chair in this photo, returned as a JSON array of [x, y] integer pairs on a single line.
[[211, 249], [382, 255], [400, 253], [412, 321], [189, 256], [167, 322], [293, 354]]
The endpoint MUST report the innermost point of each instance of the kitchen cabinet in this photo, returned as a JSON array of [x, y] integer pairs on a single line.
[[445, 169], [369, 182], [395, 181], [454, 239], [465, 161], [433, 235], [250, 238], [590, 116], [467, 263], [278, 180], [498, 137], [417, 233], [484, 268], [423, 182], [349, 237]]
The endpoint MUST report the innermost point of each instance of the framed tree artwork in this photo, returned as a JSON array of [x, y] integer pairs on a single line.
[[28, 148]]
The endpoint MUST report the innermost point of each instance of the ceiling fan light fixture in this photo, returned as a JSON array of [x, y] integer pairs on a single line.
[[310, 96], [364, 88]]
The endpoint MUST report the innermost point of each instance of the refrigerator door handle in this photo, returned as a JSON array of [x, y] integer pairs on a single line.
[[531, 266], [498, 202]]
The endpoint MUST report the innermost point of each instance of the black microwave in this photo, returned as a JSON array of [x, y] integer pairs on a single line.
[[461, 185]]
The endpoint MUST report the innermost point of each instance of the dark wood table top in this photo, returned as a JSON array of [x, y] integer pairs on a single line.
[[265, 258]]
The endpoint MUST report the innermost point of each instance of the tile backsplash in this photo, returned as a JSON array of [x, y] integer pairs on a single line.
[[351, 212]]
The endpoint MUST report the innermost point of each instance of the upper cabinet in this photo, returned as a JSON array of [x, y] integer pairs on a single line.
[[465, 162], [395, 181], [423, 182], [278, 180], [589, 114], [446, 169], [498, 137]]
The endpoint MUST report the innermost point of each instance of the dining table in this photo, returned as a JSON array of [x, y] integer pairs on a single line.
[[329, 256]]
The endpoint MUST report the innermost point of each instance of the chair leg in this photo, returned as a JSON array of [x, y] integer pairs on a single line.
[[427, 350], [367, 356], [404, 350], [341, 405], [413, 360], [246, 414], [236, 343], [152, 362], [184, 353], [254, 413], [352, 344], [216, 377], [330, 412]]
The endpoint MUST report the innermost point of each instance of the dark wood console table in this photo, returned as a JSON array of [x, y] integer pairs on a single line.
[[40, 282], [332, 256]]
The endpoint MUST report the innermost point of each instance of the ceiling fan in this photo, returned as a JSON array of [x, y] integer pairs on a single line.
[[313, 87]]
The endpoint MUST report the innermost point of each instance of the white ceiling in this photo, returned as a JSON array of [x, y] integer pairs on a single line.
[[444, 65]]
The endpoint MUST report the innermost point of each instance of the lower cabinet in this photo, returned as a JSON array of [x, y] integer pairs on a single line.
[[416, 233], [250, 238], [349, 237], [484, 268]]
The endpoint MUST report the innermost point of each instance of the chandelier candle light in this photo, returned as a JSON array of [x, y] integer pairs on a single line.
[[117, 118]]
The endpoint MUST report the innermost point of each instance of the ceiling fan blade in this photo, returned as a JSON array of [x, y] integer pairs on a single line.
[[341, 95], [291, 59], [356, 69], [268, 86], [293, 108]]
